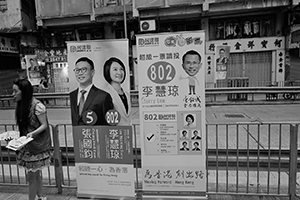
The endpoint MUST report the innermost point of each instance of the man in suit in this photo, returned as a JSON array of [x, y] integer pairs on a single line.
[[196, 147], [195, 136], [184, 146], [221, 64], [88, 97], [222, 60], [184, 134]]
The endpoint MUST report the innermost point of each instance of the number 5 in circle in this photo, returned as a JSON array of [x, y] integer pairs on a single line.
[[89, 117]]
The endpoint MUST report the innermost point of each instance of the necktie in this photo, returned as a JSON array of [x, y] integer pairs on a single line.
[[81, 102]]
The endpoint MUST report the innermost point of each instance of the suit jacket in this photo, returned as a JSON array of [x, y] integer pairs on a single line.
[[196, 137], [223, 60], [119, 106], [97, 100], [184, 149], [196, 149]]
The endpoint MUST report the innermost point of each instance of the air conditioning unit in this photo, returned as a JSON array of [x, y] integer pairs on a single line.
[[147, 25]]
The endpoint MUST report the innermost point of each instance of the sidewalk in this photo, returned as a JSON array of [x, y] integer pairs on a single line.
[[21, 193]]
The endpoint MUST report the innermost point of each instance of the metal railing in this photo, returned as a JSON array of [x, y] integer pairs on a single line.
[[253, 159], [213, 95], [11, 173], [257, 159]]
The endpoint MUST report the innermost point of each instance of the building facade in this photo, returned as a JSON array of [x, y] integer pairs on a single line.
[[260, 35], [253, 30], [17, 24]]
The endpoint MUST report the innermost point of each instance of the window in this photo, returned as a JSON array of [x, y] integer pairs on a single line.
[[245, 27], [190, 25], [26, 7]]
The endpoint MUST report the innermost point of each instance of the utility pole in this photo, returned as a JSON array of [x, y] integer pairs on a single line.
[[125, 19]]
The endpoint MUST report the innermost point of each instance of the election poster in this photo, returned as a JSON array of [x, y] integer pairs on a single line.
[[222, 60], [100, 112], [33, 69], [104, 161], [172, 114]]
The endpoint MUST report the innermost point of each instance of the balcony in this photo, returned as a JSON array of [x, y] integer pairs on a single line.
[[62, 8], [146, 4], [83, 10]]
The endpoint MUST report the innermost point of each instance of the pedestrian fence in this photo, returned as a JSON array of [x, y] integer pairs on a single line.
[[213, 95], [252, 159]]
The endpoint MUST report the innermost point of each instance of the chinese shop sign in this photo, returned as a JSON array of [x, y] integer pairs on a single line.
[[9, 45]]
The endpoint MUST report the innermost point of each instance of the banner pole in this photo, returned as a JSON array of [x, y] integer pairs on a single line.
[[125, 19]]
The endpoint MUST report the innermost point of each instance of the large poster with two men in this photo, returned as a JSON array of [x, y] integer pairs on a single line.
[[101, 118]]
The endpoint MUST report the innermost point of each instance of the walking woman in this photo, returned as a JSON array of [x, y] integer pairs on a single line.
[[32, 122]]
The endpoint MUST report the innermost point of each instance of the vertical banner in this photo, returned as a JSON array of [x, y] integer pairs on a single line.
[[210, 71], [33, 69], [172, 115], [102, 131], [222, 59]]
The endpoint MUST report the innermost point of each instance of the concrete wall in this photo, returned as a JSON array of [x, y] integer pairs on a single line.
[[61, 8], [12, 16]]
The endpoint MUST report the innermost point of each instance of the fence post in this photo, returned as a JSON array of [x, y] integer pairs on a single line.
[[293, 160], [57, 160]]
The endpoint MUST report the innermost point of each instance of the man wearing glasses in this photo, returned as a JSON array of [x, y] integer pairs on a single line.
[[191, 63], [87, 97]]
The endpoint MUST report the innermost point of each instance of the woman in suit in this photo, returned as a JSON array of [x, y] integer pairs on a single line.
[[114, 73]]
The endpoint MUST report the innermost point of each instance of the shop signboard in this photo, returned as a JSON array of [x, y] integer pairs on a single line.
[[8, 45]]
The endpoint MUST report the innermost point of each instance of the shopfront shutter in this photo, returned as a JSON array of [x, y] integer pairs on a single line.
[[257, 66]]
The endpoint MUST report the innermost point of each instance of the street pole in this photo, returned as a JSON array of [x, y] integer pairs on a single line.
[[125, 19]]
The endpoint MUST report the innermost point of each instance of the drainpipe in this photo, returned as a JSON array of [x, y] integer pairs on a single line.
[[92, 18], [167, 3], [125, 19]]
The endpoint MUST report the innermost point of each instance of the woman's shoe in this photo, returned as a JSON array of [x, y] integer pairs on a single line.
[[42, 198]]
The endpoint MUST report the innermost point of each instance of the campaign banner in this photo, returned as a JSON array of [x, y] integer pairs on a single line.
[[104, 161], [222, 60], [99, 51], [102, 130], [172, 114], [33, 69]]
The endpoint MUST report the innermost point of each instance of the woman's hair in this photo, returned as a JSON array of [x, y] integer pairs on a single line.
[[23, 106], [107, 65], [190, 116]]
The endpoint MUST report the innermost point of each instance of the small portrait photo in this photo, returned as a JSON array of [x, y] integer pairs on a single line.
[[195, 135], [184, 146], [184, 134], [33, 65], [189, 120], [196, 146]]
